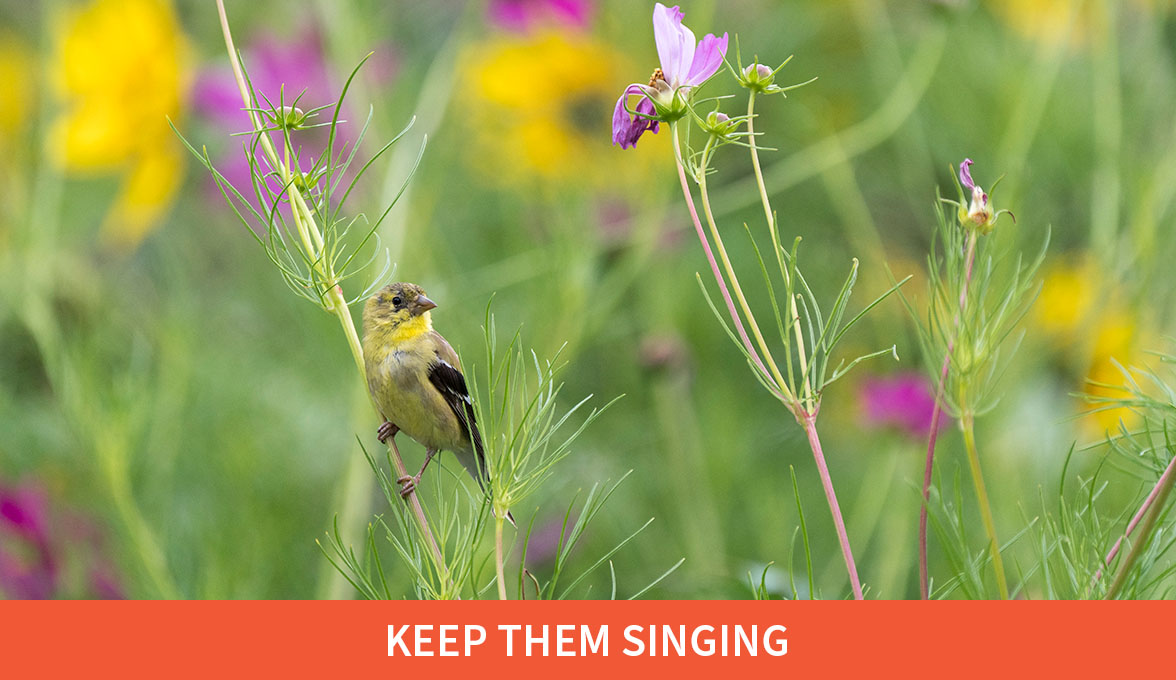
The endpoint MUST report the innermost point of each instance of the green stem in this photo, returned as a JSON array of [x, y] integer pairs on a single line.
[[887, 117], [335, 302], [730, 271], [781, 390], [499, 565], [1164, 488], [809, 404], [968, 423], [151, 555], [936, 413]]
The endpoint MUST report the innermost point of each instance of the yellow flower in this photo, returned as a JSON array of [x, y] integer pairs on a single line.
[[1078, 23], [121, 68], [1048, 21], [16, 74], [1082, 312], [1067, 296], [540, 109]]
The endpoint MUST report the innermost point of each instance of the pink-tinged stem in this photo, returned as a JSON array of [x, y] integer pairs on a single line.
[[1147, 503], [809, 422], [710, 257], [924, 581], [924, 578], [1150, 518]]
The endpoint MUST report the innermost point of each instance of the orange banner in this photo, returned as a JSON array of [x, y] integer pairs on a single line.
[[581, 639]]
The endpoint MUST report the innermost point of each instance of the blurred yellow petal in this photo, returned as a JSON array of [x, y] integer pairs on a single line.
[[16, 75], [1115, 336], [121, 69], [147, 191], [90, 139], [1052, 22], [539, 108], [1067, 296]]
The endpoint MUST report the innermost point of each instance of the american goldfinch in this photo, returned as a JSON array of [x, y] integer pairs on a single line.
[[416, 380]]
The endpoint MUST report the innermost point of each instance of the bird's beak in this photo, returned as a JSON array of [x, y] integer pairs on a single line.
[[424, 304]]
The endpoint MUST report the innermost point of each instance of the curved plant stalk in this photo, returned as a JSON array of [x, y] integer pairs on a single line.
[[710, 257], [810, 430], [808, 405], [968, 423], [770, 217], [1157, 497], [1163, 490], [313, 243], [936, 413], [804, 408]]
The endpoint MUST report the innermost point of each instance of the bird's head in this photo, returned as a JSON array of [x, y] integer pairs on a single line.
[[398, 304]]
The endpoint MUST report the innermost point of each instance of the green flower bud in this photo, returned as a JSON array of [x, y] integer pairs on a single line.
[[719, 124], [757, 77], [289, 118]]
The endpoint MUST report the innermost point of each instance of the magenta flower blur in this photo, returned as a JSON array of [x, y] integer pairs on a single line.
[[48, 552], [278, 70], [903, 401], [684, 65], [523, 16], [28, 566]]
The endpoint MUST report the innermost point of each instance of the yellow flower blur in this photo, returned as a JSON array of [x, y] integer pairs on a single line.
[[1081, 312], [121, 68], [1048, 21], [540, 109], [1077, 23], [16, 74]]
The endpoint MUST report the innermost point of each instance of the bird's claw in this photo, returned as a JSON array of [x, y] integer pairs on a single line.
[[407, 484], [386, 431]]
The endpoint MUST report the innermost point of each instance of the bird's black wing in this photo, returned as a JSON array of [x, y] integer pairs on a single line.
[[452, 385]]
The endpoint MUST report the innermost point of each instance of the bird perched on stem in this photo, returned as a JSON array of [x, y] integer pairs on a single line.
[[416, 380]]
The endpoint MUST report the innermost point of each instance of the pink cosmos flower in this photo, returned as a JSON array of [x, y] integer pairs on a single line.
[[523, 15], [279, 70], [28, 565], [684, 65], [903, 401]]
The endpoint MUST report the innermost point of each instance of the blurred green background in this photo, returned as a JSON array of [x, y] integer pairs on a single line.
[[175, 423]]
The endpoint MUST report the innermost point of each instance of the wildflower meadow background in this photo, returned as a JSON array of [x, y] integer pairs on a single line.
[[174, 423]]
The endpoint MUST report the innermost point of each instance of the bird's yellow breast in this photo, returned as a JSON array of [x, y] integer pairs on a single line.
[[398, 357], [412, 328]]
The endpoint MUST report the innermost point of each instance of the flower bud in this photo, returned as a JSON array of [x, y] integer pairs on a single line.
[[758, 77], [289, 118], [979, 214], [719, 124]]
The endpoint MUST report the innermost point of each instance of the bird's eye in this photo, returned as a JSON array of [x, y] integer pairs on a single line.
[[396, 301]]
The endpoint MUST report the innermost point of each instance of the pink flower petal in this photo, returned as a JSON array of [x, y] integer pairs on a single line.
[[675, 43], [966, 174], [626, 129], [707, 59]]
